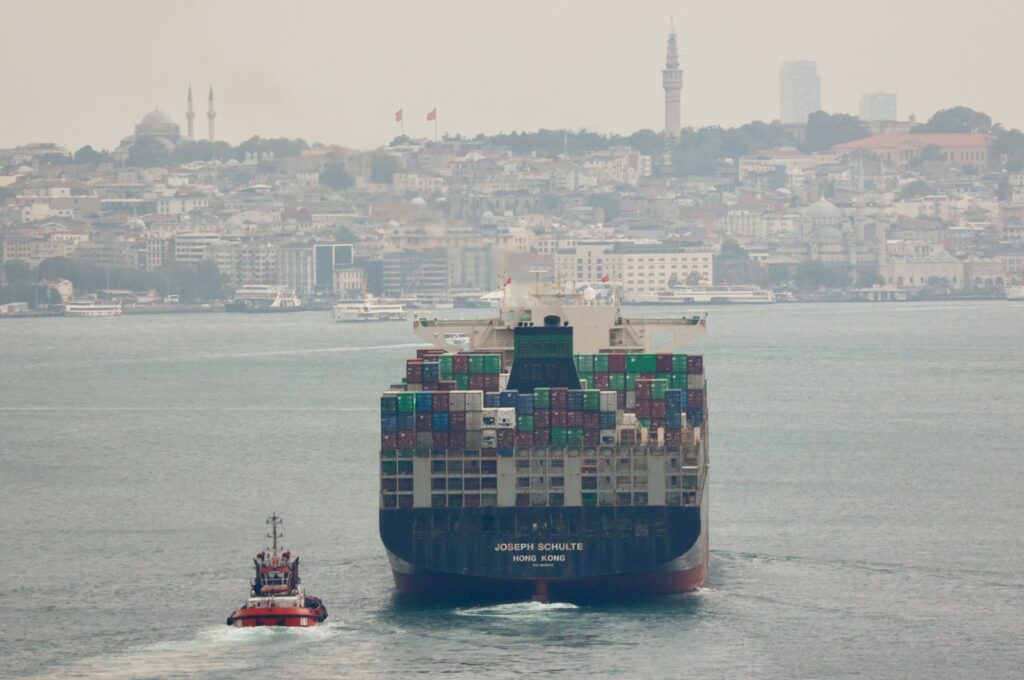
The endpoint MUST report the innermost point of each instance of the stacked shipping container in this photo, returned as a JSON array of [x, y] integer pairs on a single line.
[[451, 410]]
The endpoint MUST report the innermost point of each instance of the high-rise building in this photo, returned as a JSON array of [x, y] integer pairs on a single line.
[[799, 91], [672, 81], [878, 106]]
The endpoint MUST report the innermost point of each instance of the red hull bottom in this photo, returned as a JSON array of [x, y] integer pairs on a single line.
[[433, 584], [290, 617]]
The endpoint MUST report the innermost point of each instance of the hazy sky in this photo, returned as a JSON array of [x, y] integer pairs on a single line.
[[83, 71]]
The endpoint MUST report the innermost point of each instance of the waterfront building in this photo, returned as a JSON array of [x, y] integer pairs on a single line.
[[899, 150]]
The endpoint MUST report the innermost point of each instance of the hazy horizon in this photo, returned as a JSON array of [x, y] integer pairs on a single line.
[[86, 73]]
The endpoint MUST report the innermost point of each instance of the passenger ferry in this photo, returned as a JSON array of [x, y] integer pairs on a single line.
[[92, 307], [369, 310], [1015, 293], [263, 299], [688, 295]]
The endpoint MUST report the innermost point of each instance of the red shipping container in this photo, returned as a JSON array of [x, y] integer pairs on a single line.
[[524, 439], [643, 390], [447, 385], [663, 362], [457, 421], [414, 373], [488, 453], [695, 398], [541, 437], [424, 422], [425, 352], [477, 382], [658, 409], [440, 402], [471, 500], [601, 381], [620, 399], [407, 440], [558, 419], [591, 437], [442, 440], [460, 363], [522, 500], [574, 418], [457, 440], [643, 409], [506, 438], [492, 382], [559, 396], [542, 418], [617, 363], [591, 421], [389, 440]]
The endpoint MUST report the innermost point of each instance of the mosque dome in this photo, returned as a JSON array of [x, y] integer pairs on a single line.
[[823, 210], [419, 200], [157, 117]]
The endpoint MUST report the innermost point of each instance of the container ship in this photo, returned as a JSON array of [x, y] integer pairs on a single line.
[[553, 456]]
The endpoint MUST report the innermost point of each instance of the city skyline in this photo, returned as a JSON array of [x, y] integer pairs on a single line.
[[336, 81]]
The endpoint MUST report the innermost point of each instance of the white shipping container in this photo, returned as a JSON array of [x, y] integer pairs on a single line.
[[505, 417], [489, 439], [457, 401], [609, 400], [474, 400], [489, 417], [630, 399], [474, 421], [695, 382], [607, 437]]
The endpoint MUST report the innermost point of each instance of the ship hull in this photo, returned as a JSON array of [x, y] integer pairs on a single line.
[[577, 554], [289, 617]]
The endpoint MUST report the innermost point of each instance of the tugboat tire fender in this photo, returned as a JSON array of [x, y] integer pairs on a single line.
[[231, 620]]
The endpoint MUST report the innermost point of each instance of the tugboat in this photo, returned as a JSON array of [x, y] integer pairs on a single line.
[[277, 597]]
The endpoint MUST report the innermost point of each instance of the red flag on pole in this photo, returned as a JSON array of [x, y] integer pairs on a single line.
[[508, 281], [398, 116], [432, 115], [604, 279]]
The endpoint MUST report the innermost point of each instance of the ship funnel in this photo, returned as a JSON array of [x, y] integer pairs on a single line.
[[552, 321]]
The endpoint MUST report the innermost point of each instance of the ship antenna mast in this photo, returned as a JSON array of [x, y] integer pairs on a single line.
[[274, 521]]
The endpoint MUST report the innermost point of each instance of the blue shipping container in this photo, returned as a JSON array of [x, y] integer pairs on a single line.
[[424, 402], [524, 405], [406, 422], [388, 405], [508, 399], [389, 423], [608, 420], [440, 422], [492, 400]]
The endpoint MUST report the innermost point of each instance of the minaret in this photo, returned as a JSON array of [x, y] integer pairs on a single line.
[[672, 81], [211, 114], [191, 116]]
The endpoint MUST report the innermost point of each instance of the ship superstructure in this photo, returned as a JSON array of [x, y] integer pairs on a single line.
[[557, 457]]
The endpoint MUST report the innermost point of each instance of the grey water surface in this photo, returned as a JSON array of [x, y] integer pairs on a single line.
[[867, 495]]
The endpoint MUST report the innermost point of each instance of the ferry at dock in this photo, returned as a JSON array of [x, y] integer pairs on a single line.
[[263, 299], [92, 307]]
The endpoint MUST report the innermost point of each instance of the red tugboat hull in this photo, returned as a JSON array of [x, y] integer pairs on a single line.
[[291, 617]]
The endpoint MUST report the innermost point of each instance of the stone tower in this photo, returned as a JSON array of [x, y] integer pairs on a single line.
[[672, 81], [190, 116], [211, 114]]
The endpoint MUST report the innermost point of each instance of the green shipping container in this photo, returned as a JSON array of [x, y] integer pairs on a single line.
[[387, 453], [388, 467], [589, 377], [679, 381], [558, 437], [658, 388], [406, 453], [524, 423], [592, 400], [617, 381], [648, 363], [574, 436], [406, 402], [476, 363], [492, 363], [446, 366], [645, 422], [630, 382], [600, 363], [542, 398], [461, 381], [589, 498], [679, 363]]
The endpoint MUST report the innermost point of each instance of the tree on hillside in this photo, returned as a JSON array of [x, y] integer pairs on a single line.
[[342, 234], [814, 275], [90, 156], [5, 193], [202, 150], [914, 189], [608, 203], [18, 271], [825, 130], [733, 251], [148, 152], [956, 119], [383, 168], [335, 176]]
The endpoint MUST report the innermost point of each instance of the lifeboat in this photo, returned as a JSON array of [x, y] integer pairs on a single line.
[[276, 595]]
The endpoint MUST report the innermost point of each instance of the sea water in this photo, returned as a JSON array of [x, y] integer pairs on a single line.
[[867, 490]]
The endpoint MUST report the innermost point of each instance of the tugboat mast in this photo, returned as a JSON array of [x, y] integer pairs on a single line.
[[274, 521]]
